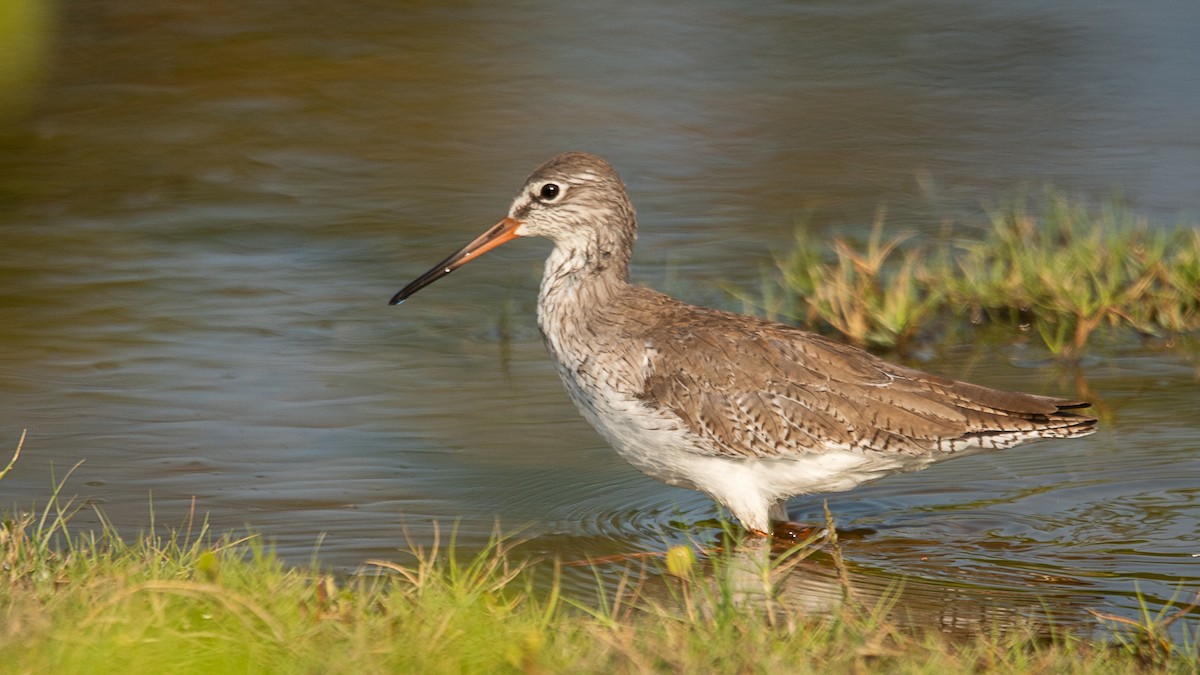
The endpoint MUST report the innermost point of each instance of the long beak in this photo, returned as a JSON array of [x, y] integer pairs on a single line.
[[502, 232]]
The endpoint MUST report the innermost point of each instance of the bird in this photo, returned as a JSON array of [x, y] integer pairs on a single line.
[[747, 411]]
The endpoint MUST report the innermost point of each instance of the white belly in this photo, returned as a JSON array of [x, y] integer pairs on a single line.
[[753, 489]]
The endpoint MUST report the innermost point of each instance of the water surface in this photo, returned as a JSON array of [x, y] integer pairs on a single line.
[[205, 212]]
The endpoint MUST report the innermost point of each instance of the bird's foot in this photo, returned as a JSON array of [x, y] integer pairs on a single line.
[[788, 533]]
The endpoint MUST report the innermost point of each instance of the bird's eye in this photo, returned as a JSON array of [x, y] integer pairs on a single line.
[[550, 192]]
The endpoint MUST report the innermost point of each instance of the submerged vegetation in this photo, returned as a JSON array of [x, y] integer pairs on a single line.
[[192, 602], [1063, 274]]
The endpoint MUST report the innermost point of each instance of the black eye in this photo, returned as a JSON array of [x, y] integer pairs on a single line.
[[550, 192]]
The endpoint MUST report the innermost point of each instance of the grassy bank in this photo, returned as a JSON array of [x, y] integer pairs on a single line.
[[1063, 273], [194, 602]]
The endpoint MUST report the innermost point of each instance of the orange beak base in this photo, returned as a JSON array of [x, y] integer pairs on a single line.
[[500, 233]]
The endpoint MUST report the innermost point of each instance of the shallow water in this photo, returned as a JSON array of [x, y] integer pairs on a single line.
[[204, 214]]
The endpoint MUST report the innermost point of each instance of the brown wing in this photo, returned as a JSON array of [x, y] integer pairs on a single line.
[[758, 389]]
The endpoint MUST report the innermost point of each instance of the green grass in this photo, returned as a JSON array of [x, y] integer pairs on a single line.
[[193, 602], [1064, 274]]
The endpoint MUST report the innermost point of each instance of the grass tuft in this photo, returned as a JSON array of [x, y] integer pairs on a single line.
[[1065, 273]]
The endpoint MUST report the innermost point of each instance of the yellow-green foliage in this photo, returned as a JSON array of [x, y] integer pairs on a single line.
[[187, 602], [26, 31], [98, 605], [1067, 273]]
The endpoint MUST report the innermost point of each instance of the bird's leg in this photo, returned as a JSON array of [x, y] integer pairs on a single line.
[[788, 532]]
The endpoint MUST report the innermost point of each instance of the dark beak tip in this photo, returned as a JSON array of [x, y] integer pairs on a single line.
[[499, 233]]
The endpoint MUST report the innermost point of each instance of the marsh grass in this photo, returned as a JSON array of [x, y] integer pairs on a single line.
[[1063, 274], [16, 455], [189, 601], [1147, 639]]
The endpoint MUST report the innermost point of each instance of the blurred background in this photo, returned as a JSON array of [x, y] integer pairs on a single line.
[[205, 206]]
